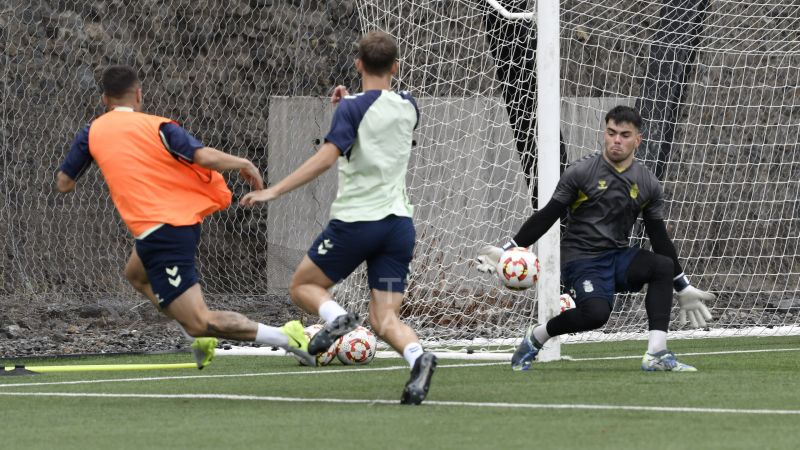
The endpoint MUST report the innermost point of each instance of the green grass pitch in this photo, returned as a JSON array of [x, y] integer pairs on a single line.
[[746, 395]]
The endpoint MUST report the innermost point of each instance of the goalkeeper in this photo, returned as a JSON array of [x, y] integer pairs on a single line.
[[371, 218], [163, 182], [602, 195]]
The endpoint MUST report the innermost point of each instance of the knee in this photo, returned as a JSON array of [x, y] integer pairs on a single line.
[[197, 324], [294, 288], [293, 291], [598, 320], [596, 313], [663, 267], [196, 327], [380, 321], [136, 278]]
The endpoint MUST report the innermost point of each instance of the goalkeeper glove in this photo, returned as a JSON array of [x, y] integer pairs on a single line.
[[690, 300], [489, 256]]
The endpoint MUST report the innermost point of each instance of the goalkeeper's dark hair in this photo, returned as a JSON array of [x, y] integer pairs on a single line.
[[119, 80], [377, 51], [625, 114]]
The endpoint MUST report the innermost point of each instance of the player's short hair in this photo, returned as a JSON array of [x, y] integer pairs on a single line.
[[377, 51], [625, 114], [119, 80]]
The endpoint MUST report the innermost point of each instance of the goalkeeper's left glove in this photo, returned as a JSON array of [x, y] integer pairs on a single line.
[[489, 256], [690, 300]]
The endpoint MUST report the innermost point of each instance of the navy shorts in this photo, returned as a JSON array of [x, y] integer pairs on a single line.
[[387, 245], [599, 277], [168, 256]]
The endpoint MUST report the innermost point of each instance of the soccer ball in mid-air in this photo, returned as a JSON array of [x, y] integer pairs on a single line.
[[324, 358], [518, 268], [357, 347], [566, 302]]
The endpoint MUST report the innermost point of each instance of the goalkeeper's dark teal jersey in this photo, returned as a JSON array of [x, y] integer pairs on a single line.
[[604, 204]]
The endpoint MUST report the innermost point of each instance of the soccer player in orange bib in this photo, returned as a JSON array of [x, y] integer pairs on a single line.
[[163, 182]]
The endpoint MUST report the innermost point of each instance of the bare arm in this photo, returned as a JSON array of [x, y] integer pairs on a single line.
[[321, 161], [64, 183], [211, 158]]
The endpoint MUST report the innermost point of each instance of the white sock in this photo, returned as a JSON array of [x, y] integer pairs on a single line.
[[412, 352], [271, 336], [185, 334], [656, 341], [330, 310], [540, 334]]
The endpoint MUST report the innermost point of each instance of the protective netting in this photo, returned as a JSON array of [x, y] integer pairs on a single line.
[[717, 82]]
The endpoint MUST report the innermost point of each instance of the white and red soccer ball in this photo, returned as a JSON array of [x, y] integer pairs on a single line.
[[566, 302], [357, 347], [324, 358], [518, 268]]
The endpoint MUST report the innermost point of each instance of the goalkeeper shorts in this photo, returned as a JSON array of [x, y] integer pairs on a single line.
[[387, 246], [599, 277], [168, 255]]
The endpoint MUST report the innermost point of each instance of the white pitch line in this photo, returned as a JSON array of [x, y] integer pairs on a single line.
[[361, 369], [610, 358], [241, 375], [667, 409]]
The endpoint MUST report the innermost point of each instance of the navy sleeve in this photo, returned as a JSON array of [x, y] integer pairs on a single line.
[[343, 127], [78, 159], [178, 141], [407, 95]]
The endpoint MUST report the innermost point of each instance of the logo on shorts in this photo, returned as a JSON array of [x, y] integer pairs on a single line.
[[173, 273], [324, 246], [587, 286]]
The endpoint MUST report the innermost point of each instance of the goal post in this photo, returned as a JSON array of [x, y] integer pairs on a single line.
[[548, 93]]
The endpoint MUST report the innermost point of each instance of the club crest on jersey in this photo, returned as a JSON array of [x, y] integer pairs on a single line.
[[602, 185], [587, 286], [634, 190]]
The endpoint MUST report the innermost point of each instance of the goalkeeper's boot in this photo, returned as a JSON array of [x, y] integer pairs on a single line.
[[664, 361], [526, 351], [203, 349], [298, 343], [332, 331], [417, 386]]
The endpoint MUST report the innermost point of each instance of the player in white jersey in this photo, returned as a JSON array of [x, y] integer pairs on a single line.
[[371, 218]]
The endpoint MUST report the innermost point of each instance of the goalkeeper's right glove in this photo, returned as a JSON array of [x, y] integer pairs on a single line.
[[489, 256], [690, 300]]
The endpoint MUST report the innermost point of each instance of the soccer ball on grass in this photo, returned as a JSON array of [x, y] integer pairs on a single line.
[[357, 347]]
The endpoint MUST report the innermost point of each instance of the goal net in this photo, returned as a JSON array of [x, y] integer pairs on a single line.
[[715, 80]]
